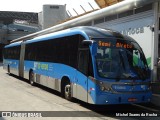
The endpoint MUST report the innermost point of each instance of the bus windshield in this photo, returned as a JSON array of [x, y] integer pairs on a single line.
[[120, 59]]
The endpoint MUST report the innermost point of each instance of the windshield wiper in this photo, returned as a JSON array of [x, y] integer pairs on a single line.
[[140, 72]]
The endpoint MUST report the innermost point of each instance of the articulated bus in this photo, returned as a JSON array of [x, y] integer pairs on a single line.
[[94, 65]]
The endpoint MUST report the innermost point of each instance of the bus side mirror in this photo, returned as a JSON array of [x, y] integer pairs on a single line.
[[93, 45], [87, 42]]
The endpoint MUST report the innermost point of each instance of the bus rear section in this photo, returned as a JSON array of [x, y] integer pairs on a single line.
[[11, 57]]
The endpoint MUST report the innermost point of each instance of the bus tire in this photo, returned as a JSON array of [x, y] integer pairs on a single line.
[[66, 88], [8, 69], [31, 78], [67, 92]]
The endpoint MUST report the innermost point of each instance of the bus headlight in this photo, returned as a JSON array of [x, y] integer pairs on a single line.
[[104, 87], [146, 87]]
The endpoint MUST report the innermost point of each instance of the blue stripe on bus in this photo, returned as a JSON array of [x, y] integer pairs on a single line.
[[57, 71], [12, 63]]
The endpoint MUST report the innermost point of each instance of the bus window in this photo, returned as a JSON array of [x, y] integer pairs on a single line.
[[120, 60], [83, 61]]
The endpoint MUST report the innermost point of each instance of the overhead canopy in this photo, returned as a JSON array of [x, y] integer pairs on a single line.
[[105, 3]]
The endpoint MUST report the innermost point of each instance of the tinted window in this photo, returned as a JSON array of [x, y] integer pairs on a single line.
[[12, 52], [60, 50]]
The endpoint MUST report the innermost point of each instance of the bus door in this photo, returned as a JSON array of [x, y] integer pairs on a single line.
[[21, 60], [82, 79]]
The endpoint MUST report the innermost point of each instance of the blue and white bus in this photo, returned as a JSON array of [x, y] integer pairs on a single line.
[[95, 65]]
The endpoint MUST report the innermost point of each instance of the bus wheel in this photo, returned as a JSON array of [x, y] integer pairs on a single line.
[[8, 70], [31, 78], [67, 92]]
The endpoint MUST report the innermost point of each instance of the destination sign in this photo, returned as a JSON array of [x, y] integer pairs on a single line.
[[104, 44], [118, 44]]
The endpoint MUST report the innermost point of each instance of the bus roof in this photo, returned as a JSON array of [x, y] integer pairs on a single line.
[[86, 31]]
